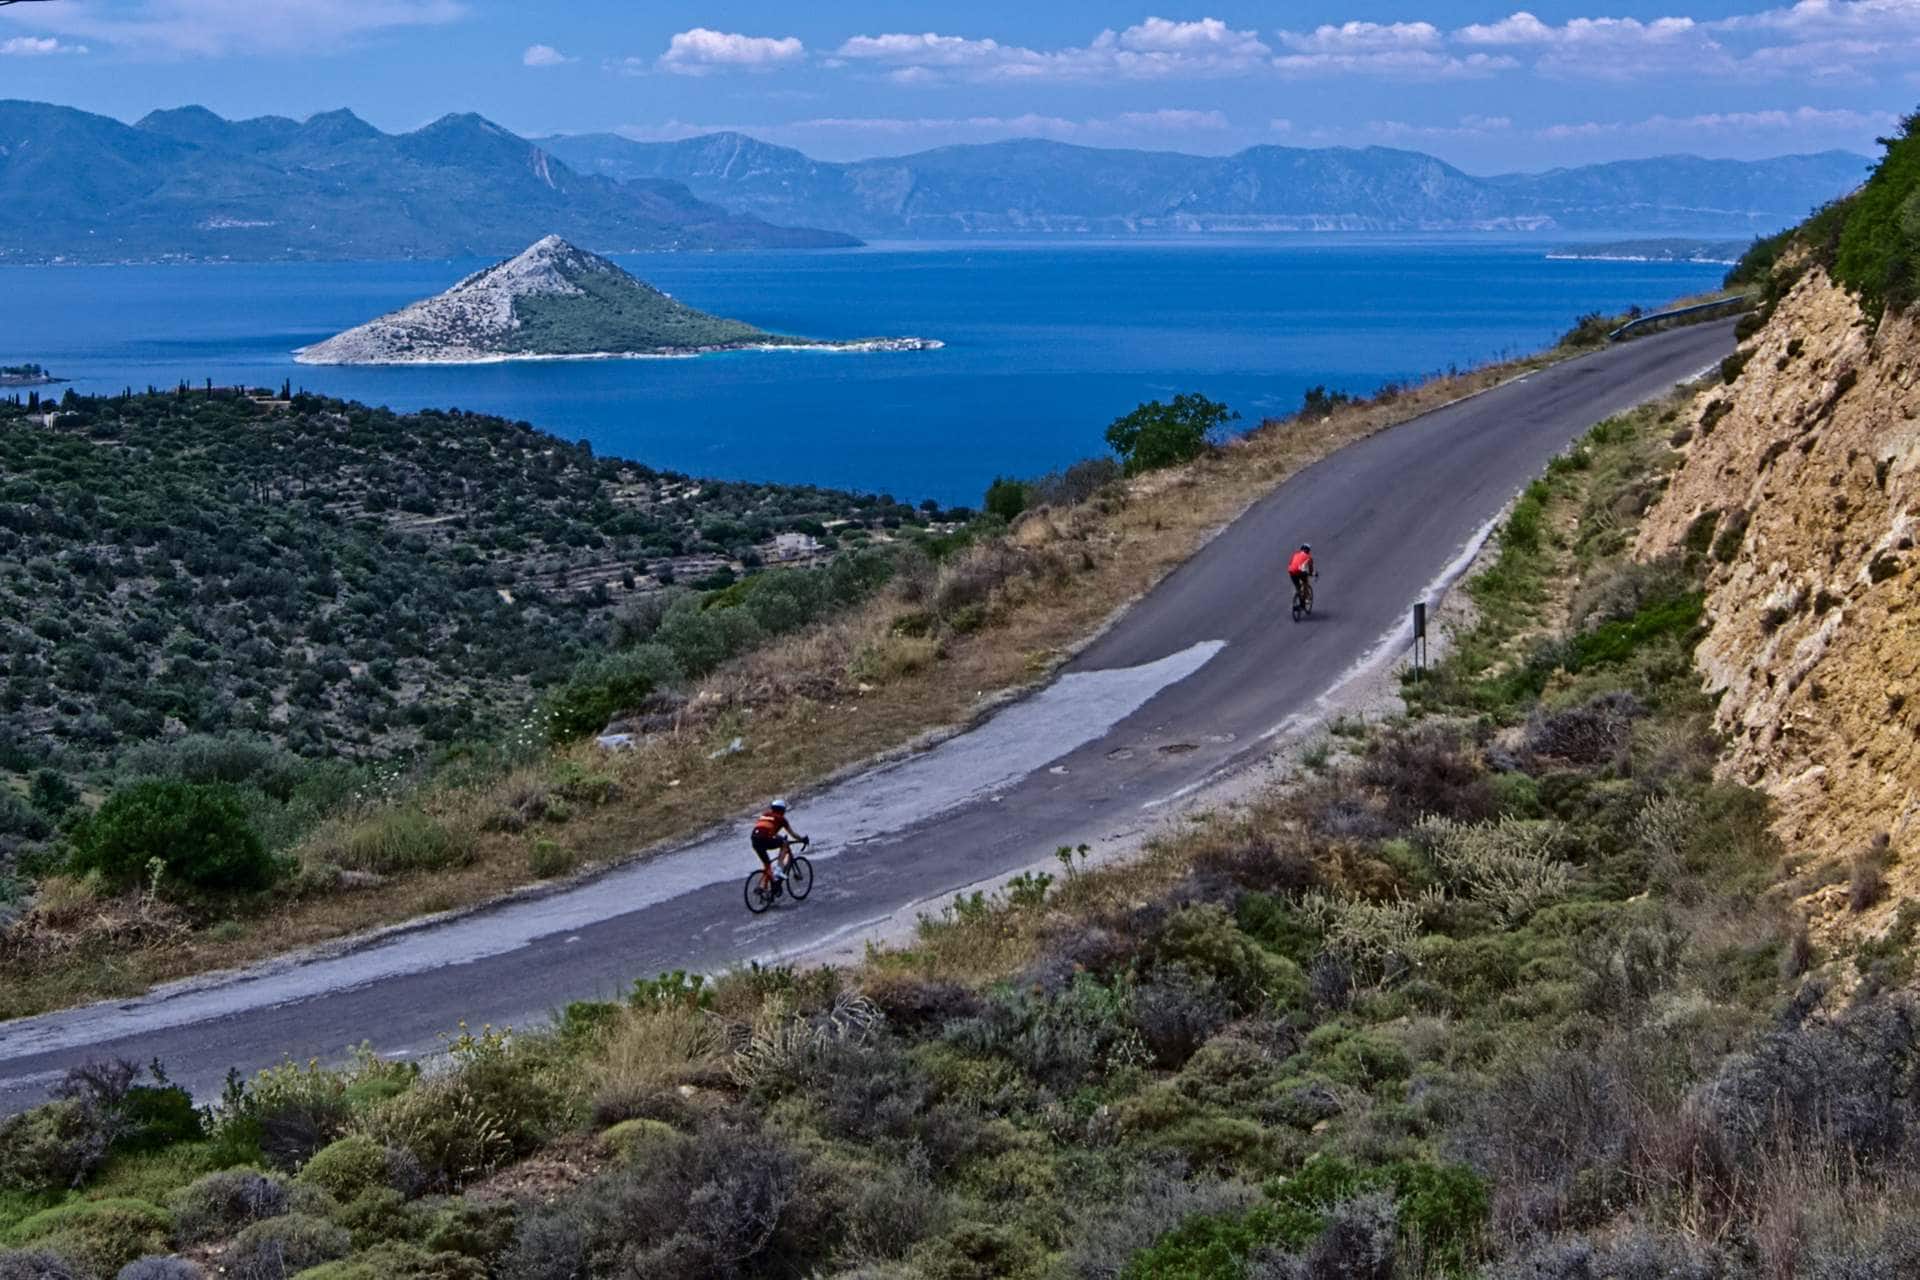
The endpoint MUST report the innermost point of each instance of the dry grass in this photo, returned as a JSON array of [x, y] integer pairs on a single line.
[[649, 1049], [801, 706]]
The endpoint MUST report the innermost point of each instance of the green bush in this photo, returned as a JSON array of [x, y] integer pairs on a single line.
[[345, 1168], [219, 1204], [100, 1235], [600, 688], [1878, 254], [1006, 498], [198, 832], [1617, 641], [393, 842], [1205, 939], [1163, 435], [396, 1260], [281, 1247], [52, 1147]]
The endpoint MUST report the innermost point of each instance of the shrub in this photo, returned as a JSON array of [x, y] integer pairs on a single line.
[[1507, 864], [35, 1264], [472, 1229], [1590, 329], [1878, 251], [1075, 485], [1176, 1013], [161, 1268], [289, 1112], [350, 1165], [1005, 498], [199, 832], [398, 1260], [51, 1147], [1063, 1040], [1162, 435], [392, 842], [447, 1130], [222, 1203], [1427, 771], [1596, 732], [893, 1208], [1205, 940], [730, 1202], [601, 688], [1843, 1084], [101, 1236], [280, 1247]]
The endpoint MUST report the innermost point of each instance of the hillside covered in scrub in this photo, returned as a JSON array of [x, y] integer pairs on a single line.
[[1505, 988], [333, 581]]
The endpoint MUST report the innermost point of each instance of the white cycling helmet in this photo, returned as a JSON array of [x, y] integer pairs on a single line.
[[779, 804]]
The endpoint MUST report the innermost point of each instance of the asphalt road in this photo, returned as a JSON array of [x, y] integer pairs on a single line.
[[1187, 684]]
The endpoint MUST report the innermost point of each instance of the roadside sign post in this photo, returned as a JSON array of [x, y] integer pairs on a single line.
[[1419, 639]]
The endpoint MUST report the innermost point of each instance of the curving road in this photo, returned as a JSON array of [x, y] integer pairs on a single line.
[[1185, 686]]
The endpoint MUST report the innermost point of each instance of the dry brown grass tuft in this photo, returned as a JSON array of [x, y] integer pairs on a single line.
[[658, 1048]]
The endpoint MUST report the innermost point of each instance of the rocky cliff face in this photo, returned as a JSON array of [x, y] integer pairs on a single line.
[[1807, 467]]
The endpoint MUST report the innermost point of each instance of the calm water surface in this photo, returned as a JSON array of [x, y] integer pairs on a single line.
[[1045, 343]]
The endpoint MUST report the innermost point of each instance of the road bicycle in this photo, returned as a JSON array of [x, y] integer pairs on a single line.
[[763, 892], [1303, 598]]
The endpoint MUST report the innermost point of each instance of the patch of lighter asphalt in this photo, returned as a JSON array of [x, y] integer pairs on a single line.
[[1076, 709]]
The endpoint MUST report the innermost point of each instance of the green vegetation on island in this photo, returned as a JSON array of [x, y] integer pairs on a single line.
[[553, 299], [614, 312], [25, 375]]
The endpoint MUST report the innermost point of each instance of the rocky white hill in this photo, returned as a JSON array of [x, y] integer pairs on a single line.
[[555, 301]]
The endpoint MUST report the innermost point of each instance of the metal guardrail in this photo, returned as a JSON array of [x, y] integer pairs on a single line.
[[1739, 302]]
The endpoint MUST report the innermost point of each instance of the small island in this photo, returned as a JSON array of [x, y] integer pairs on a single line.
[[26, 375], [1719, 252], [558, 302]]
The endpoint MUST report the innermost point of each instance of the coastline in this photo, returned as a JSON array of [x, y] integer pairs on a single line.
[[857, 347]]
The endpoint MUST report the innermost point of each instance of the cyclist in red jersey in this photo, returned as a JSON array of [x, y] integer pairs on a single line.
[[770, 833], [1300, 567]]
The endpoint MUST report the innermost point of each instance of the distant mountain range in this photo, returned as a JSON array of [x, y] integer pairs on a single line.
[[187, 184], [1034, 186]]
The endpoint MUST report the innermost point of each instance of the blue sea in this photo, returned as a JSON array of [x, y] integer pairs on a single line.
[[1045, 343]]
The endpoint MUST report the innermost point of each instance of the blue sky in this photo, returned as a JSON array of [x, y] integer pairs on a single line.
[[1488, 86]]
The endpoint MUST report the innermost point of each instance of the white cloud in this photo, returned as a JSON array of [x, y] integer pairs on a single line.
[[1822, 38], [1811, 121], [702, 51], [544, 55], [1470, 126], [1405, 64], [219, 28], [1826, 19], [36, 47], [1157, 48], [1363, 37], [868, 135], [1523, 28]]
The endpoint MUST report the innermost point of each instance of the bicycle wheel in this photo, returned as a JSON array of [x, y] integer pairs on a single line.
[[799, 877], [759, 896]]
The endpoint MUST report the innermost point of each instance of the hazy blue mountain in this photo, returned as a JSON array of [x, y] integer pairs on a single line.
[[185, 183], [1037, 186]]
